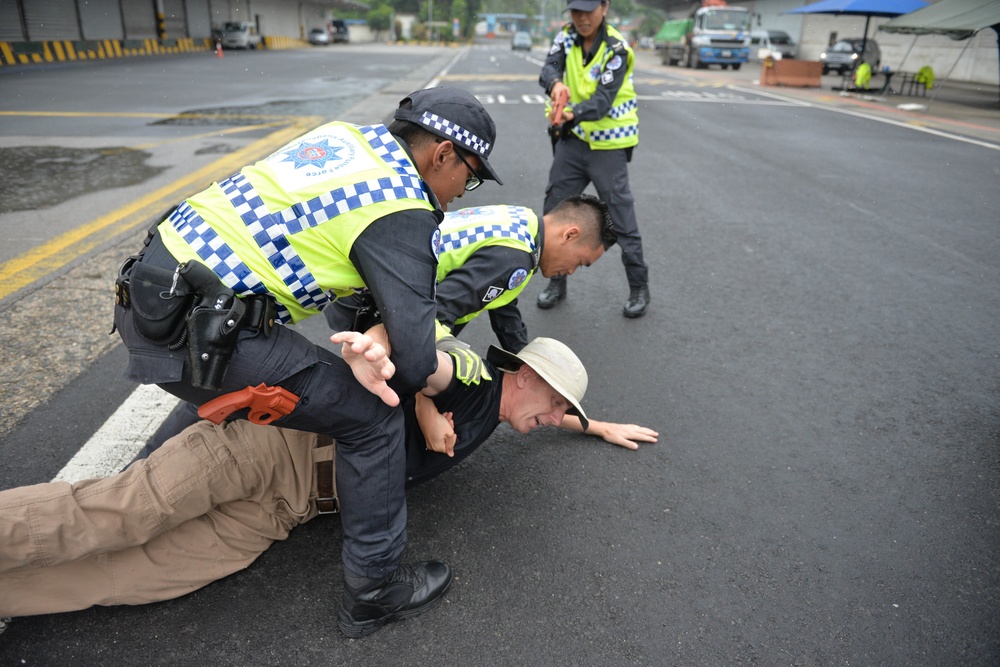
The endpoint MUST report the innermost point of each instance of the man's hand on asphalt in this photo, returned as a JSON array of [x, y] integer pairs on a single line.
[[623, 435]]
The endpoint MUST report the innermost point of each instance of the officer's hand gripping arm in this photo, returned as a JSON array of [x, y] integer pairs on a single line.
[[469, 366]]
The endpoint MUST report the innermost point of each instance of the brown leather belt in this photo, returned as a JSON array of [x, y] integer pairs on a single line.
[[326, 484], [326, 501]]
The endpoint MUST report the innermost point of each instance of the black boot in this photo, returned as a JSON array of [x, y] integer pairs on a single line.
[[553, 293], [638, 300], [368, 604]]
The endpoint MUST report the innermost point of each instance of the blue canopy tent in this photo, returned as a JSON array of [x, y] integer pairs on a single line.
[[866, 8]]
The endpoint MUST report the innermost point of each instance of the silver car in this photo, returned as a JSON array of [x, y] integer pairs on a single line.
[[845, 55], [520, 40]]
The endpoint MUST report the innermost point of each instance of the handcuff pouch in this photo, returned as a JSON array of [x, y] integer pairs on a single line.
[[158, 311]]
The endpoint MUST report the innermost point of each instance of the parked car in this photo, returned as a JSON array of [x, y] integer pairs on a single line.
[[845, 55], [339, 34], [772, 42], [239, 35], [520, 40], [319, 37]]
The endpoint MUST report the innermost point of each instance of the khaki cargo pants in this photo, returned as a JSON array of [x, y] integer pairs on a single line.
[[204, 505]]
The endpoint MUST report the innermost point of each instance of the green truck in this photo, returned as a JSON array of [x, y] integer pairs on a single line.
[[715, 35]]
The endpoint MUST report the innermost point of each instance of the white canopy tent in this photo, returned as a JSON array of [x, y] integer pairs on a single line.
[[958, 19]]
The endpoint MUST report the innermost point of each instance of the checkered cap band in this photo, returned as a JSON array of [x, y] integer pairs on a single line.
[[450, 129], [515, 228], [271, 231]]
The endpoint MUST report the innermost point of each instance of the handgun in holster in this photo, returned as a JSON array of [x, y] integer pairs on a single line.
[[264, 403], [557, 132], [213, 324]]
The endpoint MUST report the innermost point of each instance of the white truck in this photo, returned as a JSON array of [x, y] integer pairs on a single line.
[[239, 35], [714, 34]]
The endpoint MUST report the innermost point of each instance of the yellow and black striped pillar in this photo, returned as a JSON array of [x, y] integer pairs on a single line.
[[161, 20]]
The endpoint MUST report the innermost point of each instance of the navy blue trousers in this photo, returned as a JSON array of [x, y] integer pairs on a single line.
[[574, 167]]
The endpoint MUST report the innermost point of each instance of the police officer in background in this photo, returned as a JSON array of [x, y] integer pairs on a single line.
[[338, 210], [488, 255], [595, 127]]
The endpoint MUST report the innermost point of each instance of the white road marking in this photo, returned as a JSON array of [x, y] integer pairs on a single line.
[[121, 437]]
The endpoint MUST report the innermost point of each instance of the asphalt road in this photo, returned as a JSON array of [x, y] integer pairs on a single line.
[[820, 357]]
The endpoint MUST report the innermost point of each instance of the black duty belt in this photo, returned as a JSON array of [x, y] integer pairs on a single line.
[[259, 314]]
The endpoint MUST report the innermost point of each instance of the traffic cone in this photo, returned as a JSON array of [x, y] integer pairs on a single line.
[[218, 49]]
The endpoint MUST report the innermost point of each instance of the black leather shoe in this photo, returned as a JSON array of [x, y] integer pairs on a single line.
[[638, 300], [409, 591], [552, 294]]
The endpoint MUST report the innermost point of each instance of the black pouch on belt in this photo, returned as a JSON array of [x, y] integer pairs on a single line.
[[213, 325], [158, 303]]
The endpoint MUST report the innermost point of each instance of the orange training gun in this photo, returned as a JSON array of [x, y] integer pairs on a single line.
[[265, 404]]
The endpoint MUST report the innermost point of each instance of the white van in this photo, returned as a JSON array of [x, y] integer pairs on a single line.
[[772, 42], [239, 35]]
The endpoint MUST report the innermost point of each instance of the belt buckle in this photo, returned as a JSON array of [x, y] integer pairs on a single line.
[[327, 506]]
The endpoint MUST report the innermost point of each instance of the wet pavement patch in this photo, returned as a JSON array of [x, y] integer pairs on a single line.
[[41, 176], [329, 108], [215, 149]]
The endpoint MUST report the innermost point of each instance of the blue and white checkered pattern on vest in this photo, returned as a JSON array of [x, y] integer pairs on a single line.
[[271, 231], [624, 108], [614, 132], [516, 228]]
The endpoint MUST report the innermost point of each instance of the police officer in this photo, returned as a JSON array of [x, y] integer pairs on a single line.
[[340, 209], [487, 256], [588, 77]]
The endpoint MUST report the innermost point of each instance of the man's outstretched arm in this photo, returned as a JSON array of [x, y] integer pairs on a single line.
[[623, 435]]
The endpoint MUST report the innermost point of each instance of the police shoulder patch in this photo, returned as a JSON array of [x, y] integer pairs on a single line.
[[491, 293], [615, 62], [436, 244], [516, 278]]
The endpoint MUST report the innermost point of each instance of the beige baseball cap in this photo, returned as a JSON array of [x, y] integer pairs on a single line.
[[555, 363]]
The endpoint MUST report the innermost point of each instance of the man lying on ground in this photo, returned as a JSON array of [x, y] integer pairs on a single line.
[[208, 502]]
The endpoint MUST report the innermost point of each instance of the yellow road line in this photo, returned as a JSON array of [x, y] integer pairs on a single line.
[[117, 114], [63, 249], [207, 135]]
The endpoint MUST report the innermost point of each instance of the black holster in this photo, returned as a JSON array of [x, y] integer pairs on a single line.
[[213, 325], [555, 134], [367, 317]]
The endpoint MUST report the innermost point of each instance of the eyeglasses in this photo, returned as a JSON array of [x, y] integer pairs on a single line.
[[473, 181]]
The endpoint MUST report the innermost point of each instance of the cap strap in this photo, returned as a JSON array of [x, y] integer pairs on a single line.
[[461, 135]]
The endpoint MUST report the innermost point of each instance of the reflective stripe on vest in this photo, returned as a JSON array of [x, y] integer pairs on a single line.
[[515, 228], [271, 231]]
